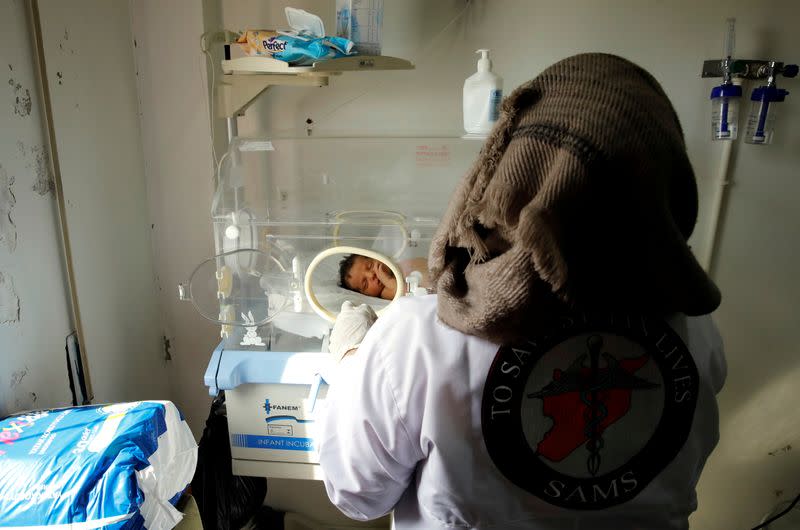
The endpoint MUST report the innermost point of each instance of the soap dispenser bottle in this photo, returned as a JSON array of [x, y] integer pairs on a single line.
[[482, 94]]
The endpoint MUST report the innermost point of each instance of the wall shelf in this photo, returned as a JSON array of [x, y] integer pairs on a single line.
[[245, 78], [362, 63]]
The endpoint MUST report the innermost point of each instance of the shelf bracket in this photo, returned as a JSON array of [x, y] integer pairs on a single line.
[[236, 92]]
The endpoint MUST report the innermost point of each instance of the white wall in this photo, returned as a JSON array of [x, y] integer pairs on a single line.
[[92, 81], [177, 148], [34, 311], [758, 249]]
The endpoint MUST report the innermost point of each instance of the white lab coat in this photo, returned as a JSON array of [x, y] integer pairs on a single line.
[[402, 431]]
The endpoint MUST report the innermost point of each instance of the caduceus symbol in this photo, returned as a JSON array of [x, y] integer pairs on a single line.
[[597, 388], [596, 410]]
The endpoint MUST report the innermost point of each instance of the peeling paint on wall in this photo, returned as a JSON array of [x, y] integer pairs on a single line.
[[63, 45], [8, 230], [783, 450], [167, 348], [22, 100], [37, 159], [24, 400], [44, 183], [9, 302], [17, 377]]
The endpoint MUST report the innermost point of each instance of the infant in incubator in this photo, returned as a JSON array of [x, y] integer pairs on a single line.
[[371, 277]]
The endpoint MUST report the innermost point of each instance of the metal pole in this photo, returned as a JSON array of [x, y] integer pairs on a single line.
[[233, 128]]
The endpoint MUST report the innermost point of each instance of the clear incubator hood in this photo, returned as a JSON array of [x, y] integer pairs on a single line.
[[288, 209]]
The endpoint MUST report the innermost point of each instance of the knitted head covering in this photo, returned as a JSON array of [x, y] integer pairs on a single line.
[[582, 197]]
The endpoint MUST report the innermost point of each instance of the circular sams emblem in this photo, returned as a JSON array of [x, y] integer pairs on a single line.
[[586, 416]]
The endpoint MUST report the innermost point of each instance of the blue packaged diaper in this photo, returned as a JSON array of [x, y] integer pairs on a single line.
[[304, 45], [294, 49], [121, 466], [302, 51]]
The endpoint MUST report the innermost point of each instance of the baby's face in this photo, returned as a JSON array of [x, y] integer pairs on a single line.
[[363, 276]]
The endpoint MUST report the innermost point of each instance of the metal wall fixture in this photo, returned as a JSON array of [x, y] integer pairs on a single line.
[[725, 97]]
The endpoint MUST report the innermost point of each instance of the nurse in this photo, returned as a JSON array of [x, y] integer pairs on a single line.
[[565, 374]]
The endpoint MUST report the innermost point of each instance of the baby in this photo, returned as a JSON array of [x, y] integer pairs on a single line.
[[371, 277]]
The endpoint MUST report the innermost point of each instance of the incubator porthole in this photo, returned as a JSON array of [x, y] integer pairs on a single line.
[[232, 232], [245, 287]]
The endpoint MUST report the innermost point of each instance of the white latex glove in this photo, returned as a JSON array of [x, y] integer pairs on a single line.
[[350, 328]]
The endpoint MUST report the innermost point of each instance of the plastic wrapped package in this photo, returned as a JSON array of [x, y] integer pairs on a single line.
[[120, 466], [293, 49], [305, 44]]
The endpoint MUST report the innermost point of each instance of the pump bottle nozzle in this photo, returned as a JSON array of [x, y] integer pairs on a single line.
[[484, 63]]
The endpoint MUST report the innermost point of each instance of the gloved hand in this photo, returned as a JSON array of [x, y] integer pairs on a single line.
[[350, 328]]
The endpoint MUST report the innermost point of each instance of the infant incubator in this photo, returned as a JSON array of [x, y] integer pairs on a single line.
[[286, 211]]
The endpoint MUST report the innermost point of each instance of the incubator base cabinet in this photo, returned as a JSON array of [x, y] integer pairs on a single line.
[[272, 403], [287, 213]]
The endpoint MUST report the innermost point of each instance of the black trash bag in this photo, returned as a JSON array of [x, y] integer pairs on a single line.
[[225, 501], [268, 519]]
